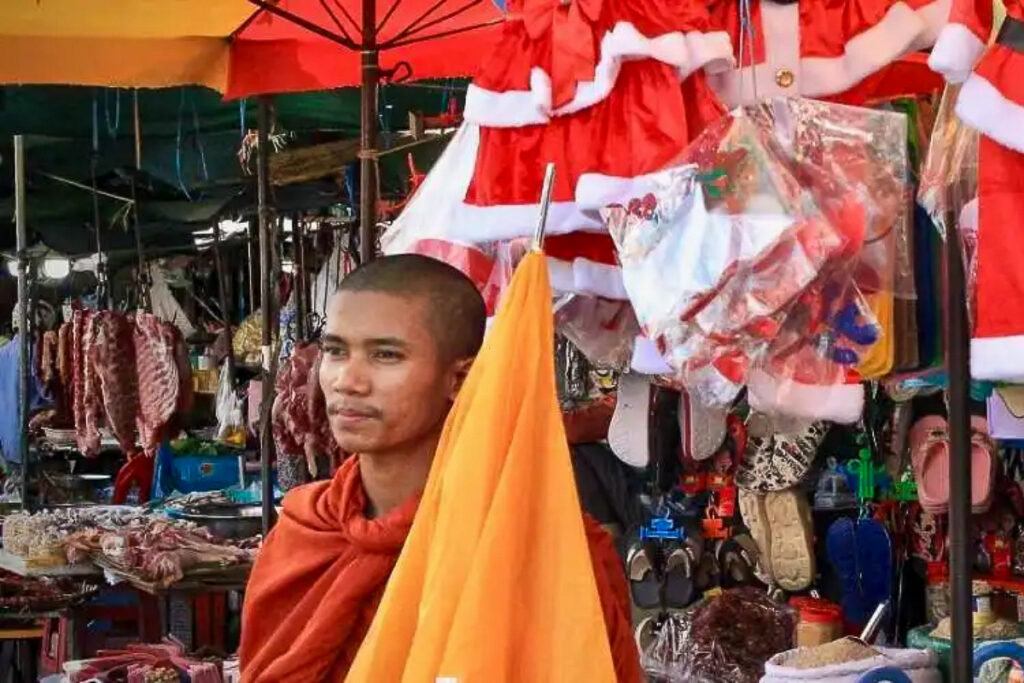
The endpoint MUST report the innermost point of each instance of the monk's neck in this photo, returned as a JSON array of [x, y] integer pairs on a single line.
[[392, 478]]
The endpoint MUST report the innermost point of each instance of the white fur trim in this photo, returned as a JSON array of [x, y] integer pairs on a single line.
[[998, 359], [646, 359], [863, 55], [477, 224], [590, 278], [956, 52], [934, 15], [981, 106], [842, 403], [596, 191], [687, 52]]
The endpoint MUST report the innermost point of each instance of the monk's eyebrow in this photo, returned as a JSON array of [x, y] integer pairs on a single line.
[[388, 341], [331, 340]]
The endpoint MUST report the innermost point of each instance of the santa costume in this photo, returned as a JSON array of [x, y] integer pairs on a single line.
[[992, 102], [817, 48]]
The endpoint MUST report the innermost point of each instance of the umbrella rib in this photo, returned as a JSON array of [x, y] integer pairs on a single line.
[[405, 37], [306, 24], [337, 22], [415, 25], [442, 34], [355, 24], [387, 15]]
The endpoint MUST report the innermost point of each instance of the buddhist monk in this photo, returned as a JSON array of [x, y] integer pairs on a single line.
[[401, 334]]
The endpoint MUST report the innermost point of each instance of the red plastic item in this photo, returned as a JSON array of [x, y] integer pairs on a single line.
[[137, 471]]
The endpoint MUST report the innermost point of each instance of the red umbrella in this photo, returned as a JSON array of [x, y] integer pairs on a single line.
[[298, 45]]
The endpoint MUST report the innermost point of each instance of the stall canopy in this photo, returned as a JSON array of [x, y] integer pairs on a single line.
[[125, 43], [234, 46], [302, 45]]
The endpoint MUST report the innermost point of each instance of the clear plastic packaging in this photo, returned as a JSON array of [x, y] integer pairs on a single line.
[[603, 330], [719, 250]]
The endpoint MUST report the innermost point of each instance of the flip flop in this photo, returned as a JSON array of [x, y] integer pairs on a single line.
[[736, 562], [703, 428], [643, 581], [755, 517], [841, 548], [929, 455], [874, 562], [982, 465], [679, 589], [629, 428], [792, 539]]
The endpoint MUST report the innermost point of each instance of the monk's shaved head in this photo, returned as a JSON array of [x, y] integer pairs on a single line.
[[457, 313]]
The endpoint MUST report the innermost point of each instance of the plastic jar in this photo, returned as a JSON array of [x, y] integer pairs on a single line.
[[819, 622]]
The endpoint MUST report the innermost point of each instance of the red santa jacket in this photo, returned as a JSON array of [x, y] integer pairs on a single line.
[[819, 48], [992, 98]]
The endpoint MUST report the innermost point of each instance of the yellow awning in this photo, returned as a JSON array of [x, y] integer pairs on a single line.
[[118, 43]]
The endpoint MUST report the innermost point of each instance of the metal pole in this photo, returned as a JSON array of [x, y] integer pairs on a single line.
[[222, 293], [142, 274], [267, 244], [960, 534], [368, 135], [21, 237], [301, 281], [250, 240]]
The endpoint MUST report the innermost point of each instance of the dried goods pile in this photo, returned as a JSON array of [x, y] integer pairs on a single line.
[[145, 663], [302, 433], [126, 373], [40, 536], [19, 594], [158, 550]]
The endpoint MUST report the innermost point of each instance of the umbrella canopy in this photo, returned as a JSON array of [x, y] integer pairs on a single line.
[[127, 43], [301, 45]]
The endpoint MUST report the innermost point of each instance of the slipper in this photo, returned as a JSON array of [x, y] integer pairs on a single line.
[[643, 582], [703, 428], [833, 491], [929, 455], [780, 461], [629, 428], [646, 634], [735, 562], [874, 560], [982, 465], [679, 590], [755, 517], [707, 574], [841, 547], [792, 539]]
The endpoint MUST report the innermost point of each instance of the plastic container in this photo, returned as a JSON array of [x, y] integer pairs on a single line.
[[819, 621]]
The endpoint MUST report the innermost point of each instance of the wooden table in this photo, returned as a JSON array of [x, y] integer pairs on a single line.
[[25, 567]]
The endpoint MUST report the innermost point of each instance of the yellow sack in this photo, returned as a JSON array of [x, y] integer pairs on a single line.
[[495, 582]]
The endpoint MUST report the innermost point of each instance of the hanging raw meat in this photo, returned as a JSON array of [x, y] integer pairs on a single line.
[[65, 367], [158, 353], [92, 399], [113, 356]]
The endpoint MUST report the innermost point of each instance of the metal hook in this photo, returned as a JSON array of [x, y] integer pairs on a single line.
[[545, 203]]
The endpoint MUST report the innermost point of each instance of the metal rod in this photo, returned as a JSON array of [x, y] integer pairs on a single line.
[[83, 186], [141, 274], [266, 230], [251, 239], [368, 135], [222, 294], [301, 279], [103, 288], [545, 203], [24, 333], [304, 23], [960, 533]]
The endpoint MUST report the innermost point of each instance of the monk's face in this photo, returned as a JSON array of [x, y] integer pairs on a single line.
[[387, 386]]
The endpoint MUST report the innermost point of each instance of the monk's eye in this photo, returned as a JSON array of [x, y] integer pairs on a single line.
[[388, 355]]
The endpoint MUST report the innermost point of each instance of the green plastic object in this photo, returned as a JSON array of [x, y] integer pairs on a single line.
[[905, 490], [867, 472]]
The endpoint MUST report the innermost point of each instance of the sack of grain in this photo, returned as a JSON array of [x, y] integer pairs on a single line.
[[845, 660]]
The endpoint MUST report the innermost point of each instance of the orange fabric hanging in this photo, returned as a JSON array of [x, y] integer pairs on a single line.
[[495, 582]]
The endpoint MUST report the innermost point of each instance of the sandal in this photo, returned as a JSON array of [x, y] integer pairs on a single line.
[[679, 589], [780, 461], [982, 465], [752, 511], [792, 539], [736, 561], [929, 454], [643, 581]]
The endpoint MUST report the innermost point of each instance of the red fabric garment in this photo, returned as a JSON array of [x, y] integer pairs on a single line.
[[322, 571], [819, 48]]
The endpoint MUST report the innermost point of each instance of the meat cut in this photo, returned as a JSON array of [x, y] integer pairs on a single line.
[[113, 360], [160, 377], [92, 401], [302, 434]]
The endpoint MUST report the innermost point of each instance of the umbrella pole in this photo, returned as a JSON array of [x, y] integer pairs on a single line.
[[266, 232], [21, 237], [960, 534], [301, 281], [368, 135], [222, 294]]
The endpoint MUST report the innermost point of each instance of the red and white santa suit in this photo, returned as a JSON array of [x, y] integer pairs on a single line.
[[820, 48], [992, 102], [613, 88]]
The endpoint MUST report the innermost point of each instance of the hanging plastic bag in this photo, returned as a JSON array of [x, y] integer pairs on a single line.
[[602, 329], [477, 593], [718, 250], [230, 423]]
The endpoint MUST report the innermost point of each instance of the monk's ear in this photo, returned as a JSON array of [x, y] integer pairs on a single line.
[[460, 369]]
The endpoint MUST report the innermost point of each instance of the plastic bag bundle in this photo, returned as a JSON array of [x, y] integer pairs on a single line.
[[719, 249]]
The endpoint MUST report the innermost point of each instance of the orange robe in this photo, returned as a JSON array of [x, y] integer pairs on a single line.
[[321, 574]]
